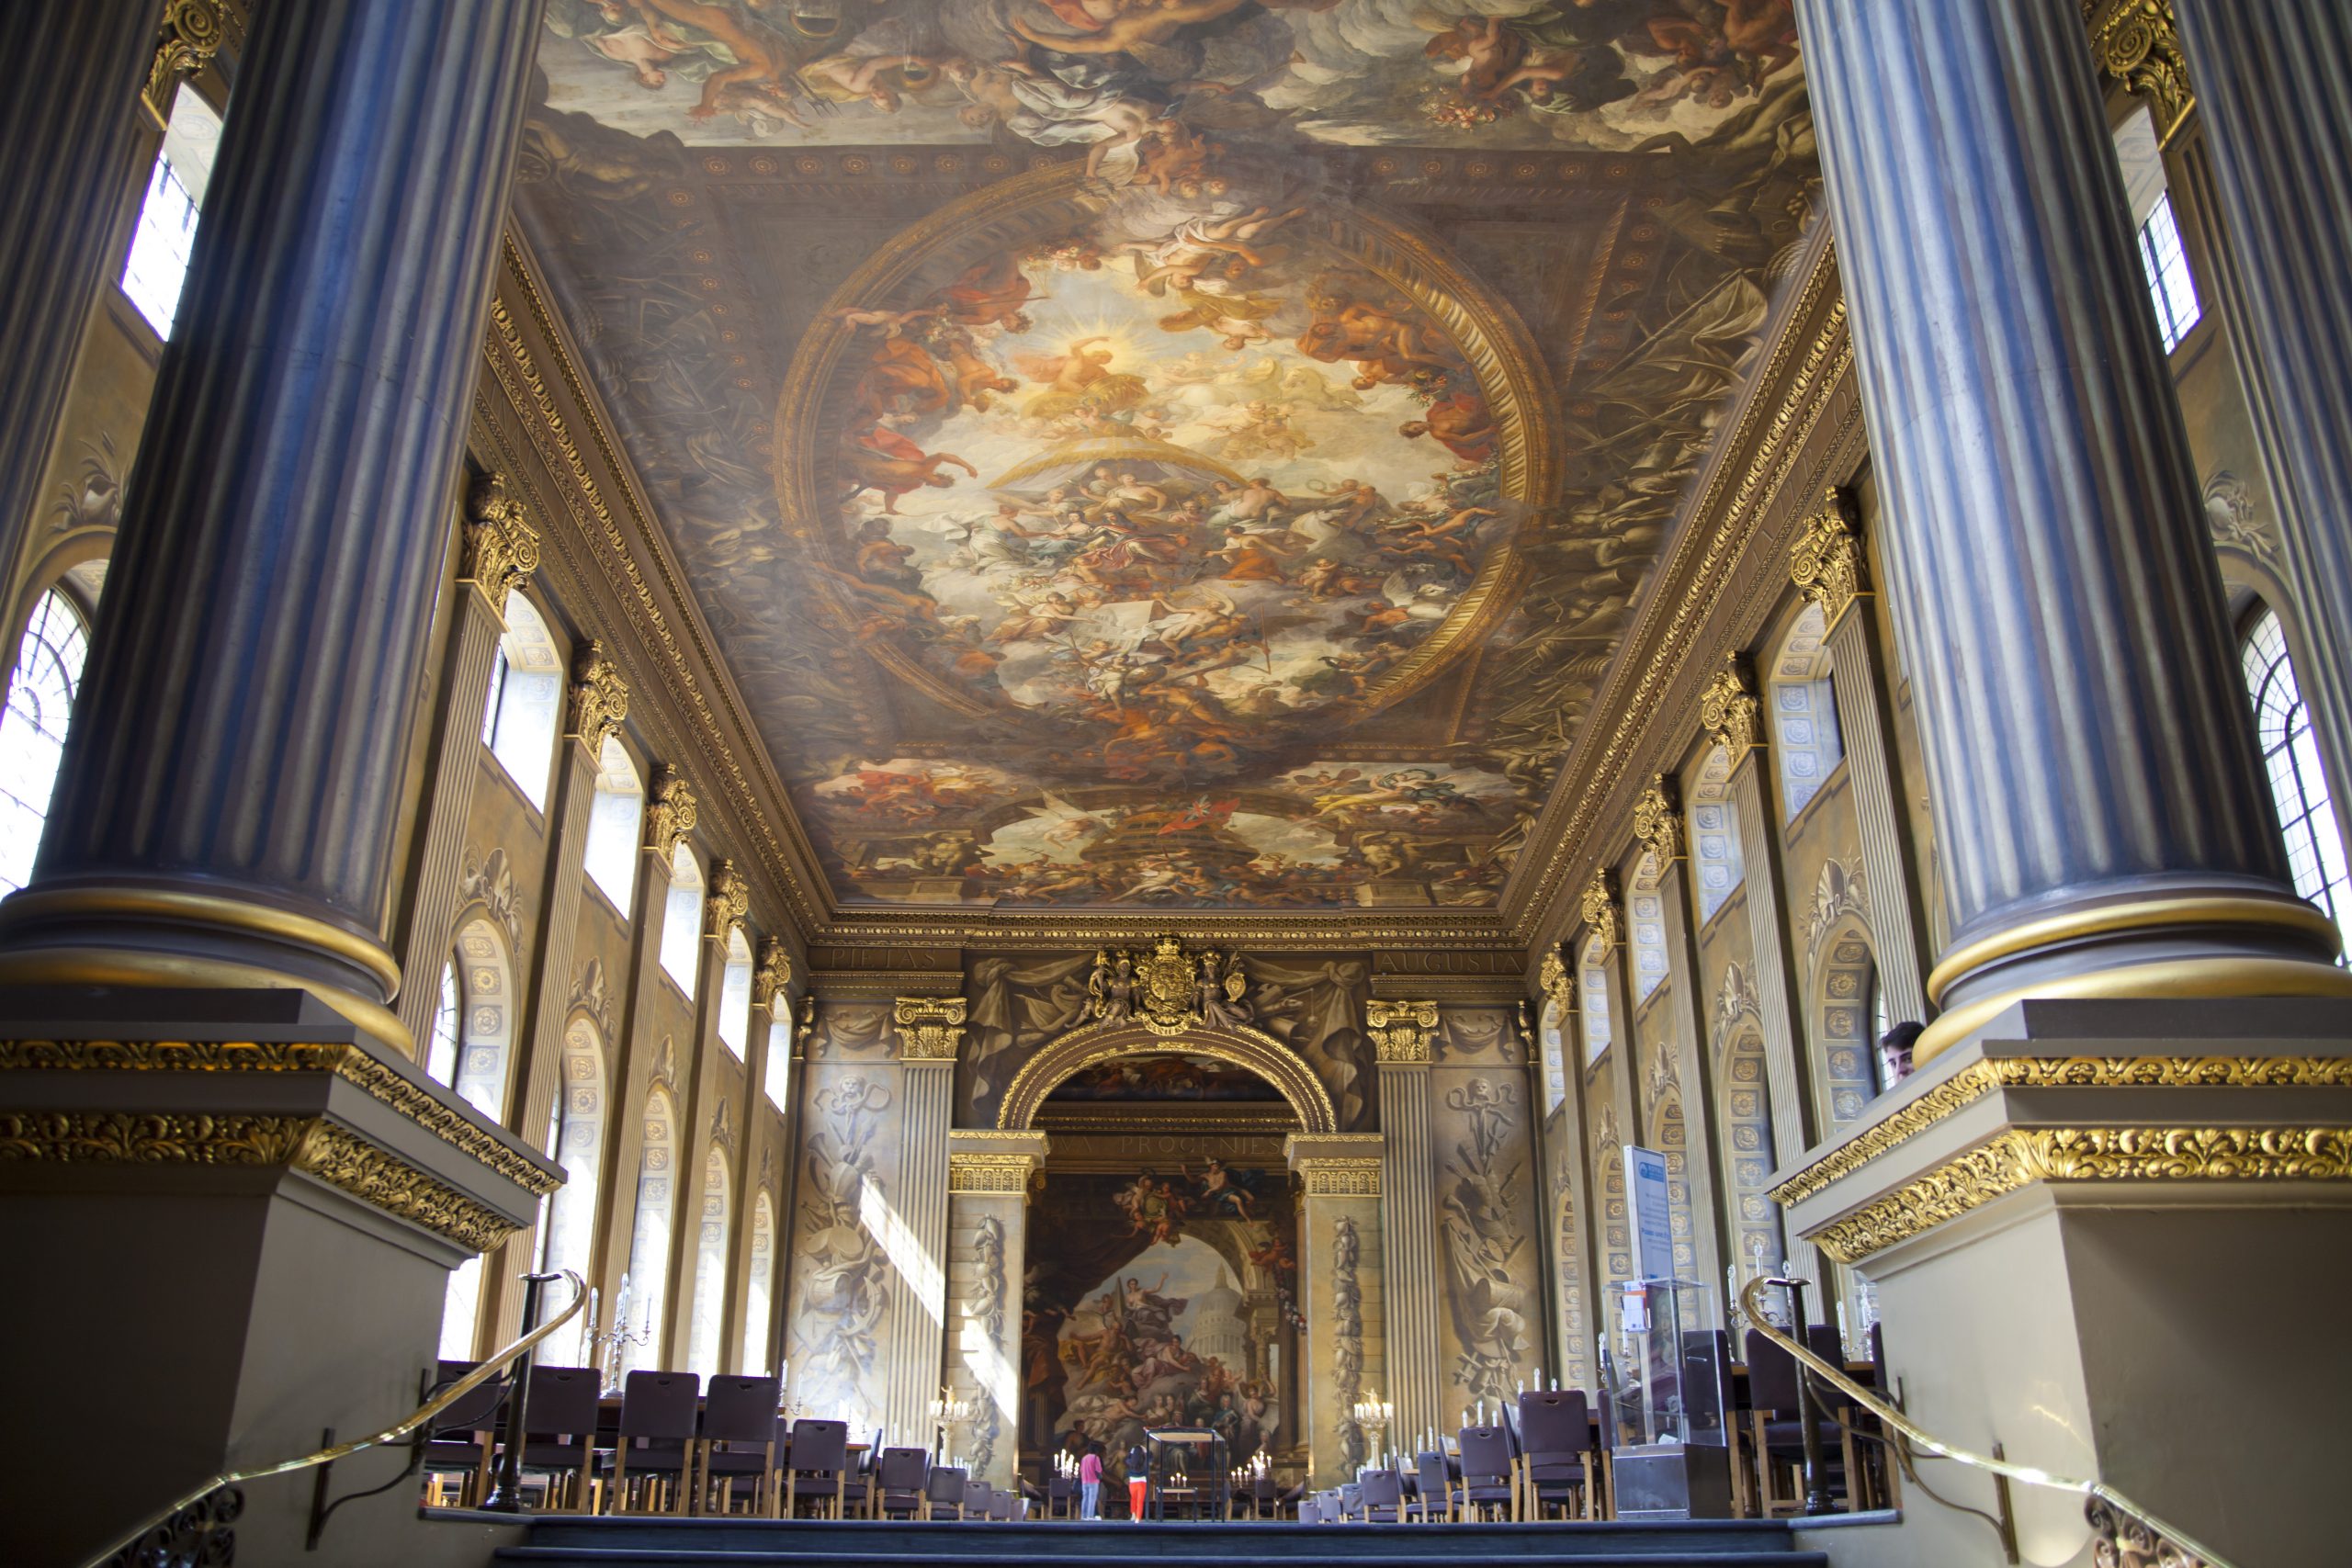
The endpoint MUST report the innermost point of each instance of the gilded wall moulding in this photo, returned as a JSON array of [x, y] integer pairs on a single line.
[[730, 901], [931, 1028], [1341, 1176], [1980, 1079], [2135, 42], [774, 976], [978, 1172], [670, 812], [501, 548], [2022, 1157], [1554, 979], [1402, 1033], [1826, 562], [1170, 989], [1600, 912], [344, 1060], [1728, 712], [340, 1158], [598, 700], [1658, 825], [191, 34]]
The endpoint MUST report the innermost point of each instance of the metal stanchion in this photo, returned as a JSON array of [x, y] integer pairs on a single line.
[[506, 1496]]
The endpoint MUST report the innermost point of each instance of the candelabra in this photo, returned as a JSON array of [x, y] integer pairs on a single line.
[[947, 1411], [1373, 1413], [607, 1360]]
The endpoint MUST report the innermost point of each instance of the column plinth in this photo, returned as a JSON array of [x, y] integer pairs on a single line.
[[1341, 1275], [989, 1175], [2101, 821], [225, 810]]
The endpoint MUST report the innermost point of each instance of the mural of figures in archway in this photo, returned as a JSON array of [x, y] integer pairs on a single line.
[[1155, 1299]]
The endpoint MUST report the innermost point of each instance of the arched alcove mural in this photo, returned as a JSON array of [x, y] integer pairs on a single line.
[[579, 1147], [1748, 1156], [711, 1266], [1803, 704], [646, 1306], [1844, 986], [759, 1290], [1247, 1048], [487, 1000]]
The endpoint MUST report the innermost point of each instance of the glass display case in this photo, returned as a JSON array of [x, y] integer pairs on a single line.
[[1669, 1399]]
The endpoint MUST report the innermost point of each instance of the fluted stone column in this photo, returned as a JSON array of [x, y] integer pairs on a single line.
[[2274, 85], [594, 708], [225, 811], [71, 131], [725, 904], [500, 551], [1827, 566], [1402, 1033], [765, 1149], [1658, 827], [987, 1197], [1729, 712], [1341, 1278], [2102, 826], [930, 1031]]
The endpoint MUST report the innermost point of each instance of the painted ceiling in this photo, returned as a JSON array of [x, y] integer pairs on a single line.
[[1173, 453]]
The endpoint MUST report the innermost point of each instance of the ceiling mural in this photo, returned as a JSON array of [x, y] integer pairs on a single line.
[[1177, 453]]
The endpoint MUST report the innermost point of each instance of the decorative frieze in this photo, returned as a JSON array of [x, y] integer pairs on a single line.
[[931, 1028], [1402, 1033], [1340, 1178]]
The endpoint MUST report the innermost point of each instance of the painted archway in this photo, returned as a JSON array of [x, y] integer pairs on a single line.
[[1245, 1048]]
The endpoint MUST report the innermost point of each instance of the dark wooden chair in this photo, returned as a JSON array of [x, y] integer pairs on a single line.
[[942, 1492], [1432, 1499], [1489, 1476], [1559, 1465], [818, 1472], [658, 1437], [560, 1448], [738, 1445], [900, 1479]]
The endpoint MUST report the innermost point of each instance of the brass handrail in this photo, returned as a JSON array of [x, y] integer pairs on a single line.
[[407, 1424], [1895, 1420]]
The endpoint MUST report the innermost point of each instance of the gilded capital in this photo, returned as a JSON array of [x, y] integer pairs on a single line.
[[670, 813], [1825, 563], [1658, 825], [2135, 42], [1728, 711], [598, 700], [774, 974], [501, 549], [730, 901], [1401, 1032], [191, 34], [1558, 986], [931, 1028], [1600, 911]]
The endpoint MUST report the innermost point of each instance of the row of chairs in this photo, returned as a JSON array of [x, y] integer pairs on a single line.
[[1548, 1458], [679, 1448]]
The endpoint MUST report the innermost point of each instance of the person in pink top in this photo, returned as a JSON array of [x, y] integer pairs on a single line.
[[1089, 1485]]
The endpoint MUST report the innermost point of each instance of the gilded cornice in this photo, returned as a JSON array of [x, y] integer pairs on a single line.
[[193, 31], [312, 1145], [2135, 42], [1758, 457], [1402, 1033], [775, 973], [931, 1028], [598, 700], [342, 1060], [671, 811], [730, 901], [2021, 1156], [499, 548], [1729, 712], [1980, 1079], [1826, 561]]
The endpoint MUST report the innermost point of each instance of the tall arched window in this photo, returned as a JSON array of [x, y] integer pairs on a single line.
[[1805, 712], [777, 1079], [1716, 864], [649, 1243], [448, 1026], [710, 1268], [1645, 914], [32, 731], [2299, 790], [1556, 1066], [526, 703], [164, 236], [485, 1017], [1592, 981], [578, 1145], [682, 922], [735, 997], [613, 817], [758, 1289]]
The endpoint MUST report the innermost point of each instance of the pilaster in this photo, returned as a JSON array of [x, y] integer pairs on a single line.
[[1341, 1278], [669, 816], [989, 1175], [1658, 826], [765, 1148], [1402, 1033], [931, 1031]]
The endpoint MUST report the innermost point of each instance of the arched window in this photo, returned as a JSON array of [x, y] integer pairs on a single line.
[[526, 702], [485, 1017], [449, 1025], [1592, 981], [1716, 864], [578, 1145], [460, 1306], [1847, 977], [682, 922], [1748, 1157], [710, 1268], [1556, 1066], [778, 1079], [649, 1243], [32, 731], [165, 235], [1805, 712], [735, 997], [2282, 726], [757, 1294], [615, 814]]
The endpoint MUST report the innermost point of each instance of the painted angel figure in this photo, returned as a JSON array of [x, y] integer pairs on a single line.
[[1222, 985], [1111, 989]]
